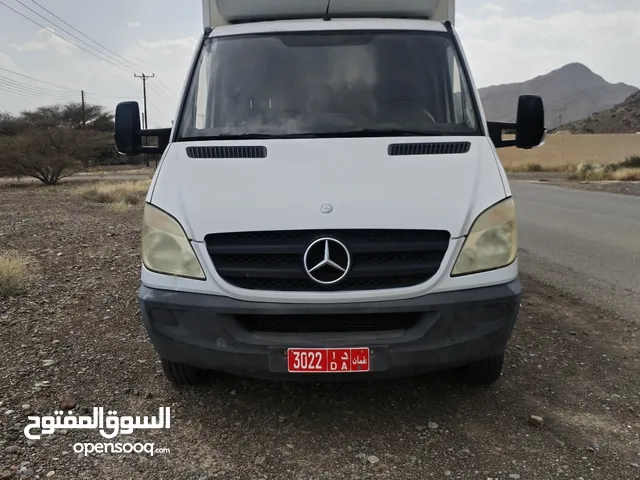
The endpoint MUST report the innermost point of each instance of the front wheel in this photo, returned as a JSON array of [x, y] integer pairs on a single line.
[[484, 372], [180, 374]]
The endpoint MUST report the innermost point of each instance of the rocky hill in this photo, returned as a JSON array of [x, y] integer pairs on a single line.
[[622, 118], [570, 93]]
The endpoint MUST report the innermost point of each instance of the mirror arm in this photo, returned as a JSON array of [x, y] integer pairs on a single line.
[[163, 135], [495, 132]]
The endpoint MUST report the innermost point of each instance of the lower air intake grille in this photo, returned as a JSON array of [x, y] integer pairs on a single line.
[[328, 323], [380, 259]]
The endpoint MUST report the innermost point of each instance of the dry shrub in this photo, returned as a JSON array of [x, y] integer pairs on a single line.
[[121, 206], [536, 167], [49, 154], [627, 175], [114, 193], [561, 151], [18, 185], [591, 172], [102, 171], [14, 274], [595, 172]]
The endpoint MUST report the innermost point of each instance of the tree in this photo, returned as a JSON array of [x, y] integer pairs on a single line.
[[49, 154], [70, 115], [10, 125], [55, 141]]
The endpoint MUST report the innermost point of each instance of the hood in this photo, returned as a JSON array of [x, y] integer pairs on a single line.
[[300, 180]]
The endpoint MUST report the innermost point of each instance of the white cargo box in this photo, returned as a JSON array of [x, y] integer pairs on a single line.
[[223, 12]]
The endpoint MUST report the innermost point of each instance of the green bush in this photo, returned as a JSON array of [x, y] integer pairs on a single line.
[[631, 162]]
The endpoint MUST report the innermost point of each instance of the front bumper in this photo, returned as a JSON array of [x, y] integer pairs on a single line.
[[452, 329]]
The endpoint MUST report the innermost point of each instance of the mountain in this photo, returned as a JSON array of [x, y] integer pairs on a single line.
[[570, 93], [622, 118]]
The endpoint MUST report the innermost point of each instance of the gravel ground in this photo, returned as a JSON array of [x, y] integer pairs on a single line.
[[560, 179], [114, 175], [78, 331]]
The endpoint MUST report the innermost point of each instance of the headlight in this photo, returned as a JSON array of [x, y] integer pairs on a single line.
[[492, 242], [165, 246]]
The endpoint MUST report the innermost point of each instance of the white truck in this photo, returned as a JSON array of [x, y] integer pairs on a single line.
[[329, 203]]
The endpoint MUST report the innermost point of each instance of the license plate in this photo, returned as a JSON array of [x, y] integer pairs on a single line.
[[328, 360]]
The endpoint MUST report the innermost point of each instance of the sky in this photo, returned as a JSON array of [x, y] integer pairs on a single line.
[[505, 41]]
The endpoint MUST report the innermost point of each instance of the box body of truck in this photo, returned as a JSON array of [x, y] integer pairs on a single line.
[[330, 203]]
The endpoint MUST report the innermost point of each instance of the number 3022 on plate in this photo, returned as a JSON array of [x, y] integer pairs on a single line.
[[328, 360]]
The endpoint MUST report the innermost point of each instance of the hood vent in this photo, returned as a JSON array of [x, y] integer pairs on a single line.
[[252, 151], [435, 148]]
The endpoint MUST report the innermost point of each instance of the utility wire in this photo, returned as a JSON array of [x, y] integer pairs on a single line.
[[106, 96], [95, 101], [63, 38], [135, 65], [162, 95], [166, 90], [155, 106], [72, 35], [44, 95], [37, 80], [60, 86], [91, 99], [9, 89], [158, 111], [175, 97], [26, 86], [22, 94]]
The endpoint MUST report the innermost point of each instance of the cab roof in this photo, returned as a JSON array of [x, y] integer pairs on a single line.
[[222, 12], [320, 25]]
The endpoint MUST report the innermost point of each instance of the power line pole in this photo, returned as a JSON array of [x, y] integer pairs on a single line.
[[145, 117], [84, 115], [144, 94]]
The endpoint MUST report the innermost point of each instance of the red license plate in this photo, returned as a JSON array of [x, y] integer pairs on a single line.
[[328, 360]]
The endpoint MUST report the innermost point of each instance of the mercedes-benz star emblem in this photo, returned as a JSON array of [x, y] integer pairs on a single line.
[[327, 261]]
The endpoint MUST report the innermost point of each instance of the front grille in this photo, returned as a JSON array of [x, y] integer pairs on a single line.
[[328, 323], [381, 259]]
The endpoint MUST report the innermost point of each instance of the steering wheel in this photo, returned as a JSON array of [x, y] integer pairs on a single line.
[[415, 106]]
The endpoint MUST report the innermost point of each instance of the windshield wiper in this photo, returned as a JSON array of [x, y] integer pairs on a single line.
[[363, 132], [248, 136], [381, 132]]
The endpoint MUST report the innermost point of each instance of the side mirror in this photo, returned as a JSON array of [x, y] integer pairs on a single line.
[[127, 128], [530, 130], [128, 132]]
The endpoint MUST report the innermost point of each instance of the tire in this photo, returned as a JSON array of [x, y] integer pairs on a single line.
[[182, 375], [484, 372]]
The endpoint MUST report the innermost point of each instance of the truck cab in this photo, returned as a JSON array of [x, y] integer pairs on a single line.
[[329, 203]]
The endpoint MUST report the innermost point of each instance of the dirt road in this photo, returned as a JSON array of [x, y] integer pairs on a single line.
[[78, 329]]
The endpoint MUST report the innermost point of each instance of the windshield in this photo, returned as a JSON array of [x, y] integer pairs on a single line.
[[328, 84]]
